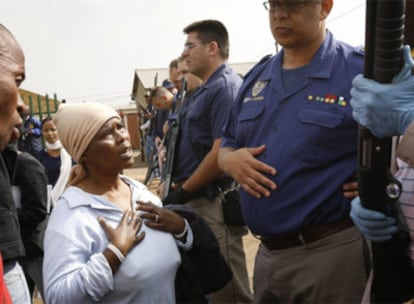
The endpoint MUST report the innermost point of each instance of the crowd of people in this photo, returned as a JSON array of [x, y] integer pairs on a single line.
[[284, 138]]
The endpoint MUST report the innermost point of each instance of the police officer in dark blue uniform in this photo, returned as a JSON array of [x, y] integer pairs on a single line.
[[198, 183], [291, 143], [31, 135]]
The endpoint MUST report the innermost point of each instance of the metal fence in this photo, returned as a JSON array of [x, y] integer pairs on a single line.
[[41, 106]]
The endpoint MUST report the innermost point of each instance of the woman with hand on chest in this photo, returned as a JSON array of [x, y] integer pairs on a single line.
[[96, 246]]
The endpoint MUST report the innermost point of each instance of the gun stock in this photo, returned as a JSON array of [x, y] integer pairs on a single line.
[[175, 130], [379, 190]]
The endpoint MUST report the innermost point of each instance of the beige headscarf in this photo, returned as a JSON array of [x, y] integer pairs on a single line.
[[77, 125]]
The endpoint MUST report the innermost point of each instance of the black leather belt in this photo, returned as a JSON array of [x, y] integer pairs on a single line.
[[310, 234]]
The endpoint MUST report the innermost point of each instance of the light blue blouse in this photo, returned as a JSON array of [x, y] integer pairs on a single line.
[[75, 270]]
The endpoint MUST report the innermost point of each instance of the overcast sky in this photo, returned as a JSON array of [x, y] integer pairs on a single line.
[[89, 49]]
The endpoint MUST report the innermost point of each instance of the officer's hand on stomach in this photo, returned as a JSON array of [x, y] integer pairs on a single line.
[[243, 166], [350, 189]]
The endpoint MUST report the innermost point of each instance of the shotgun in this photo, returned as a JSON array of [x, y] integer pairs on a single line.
[[175, 130], [393, 280]]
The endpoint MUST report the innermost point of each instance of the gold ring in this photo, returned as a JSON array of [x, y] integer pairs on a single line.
[[157, 218]]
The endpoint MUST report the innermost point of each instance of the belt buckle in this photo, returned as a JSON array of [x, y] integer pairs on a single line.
[[301, 238]]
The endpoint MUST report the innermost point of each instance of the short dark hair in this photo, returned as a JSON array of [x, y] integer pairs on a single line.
[[173, 63], [157, 92], [45, 120], [211, 30]]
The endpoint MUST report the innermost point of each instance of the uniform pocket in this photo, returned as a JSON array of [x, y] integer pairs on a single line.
[[250, 113], [320, 134], [321, 118], [251, 110]]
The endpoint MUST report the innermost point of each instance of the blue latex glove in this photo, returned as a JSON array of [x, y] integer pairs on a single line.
[[374, 226], [385, 109]]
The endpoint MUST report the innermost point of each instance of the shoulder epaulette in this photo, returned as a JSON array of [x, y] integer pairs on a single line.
[[360, 50], [257, 65]]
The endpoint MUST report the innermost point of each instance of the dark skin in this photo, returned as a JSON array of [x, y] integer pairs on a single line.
[[12, 74], [168, 220], [350, 189], [108, 154], [124, 237]]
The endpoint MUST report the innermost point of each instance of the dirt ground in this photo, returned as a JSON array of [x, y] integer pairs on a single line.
[[250, 243]]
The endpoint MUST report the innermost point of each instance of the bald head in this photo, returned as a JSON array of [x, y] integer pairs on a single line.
[[9, 45], [12, 74]]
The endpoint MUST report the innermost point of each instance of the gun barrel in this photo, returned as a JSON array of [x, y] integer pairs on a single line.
[[378, 189], [174, 129]]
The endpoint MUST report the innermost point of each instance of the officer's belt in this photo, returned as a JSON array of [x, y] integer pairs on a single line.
[[310, 234]]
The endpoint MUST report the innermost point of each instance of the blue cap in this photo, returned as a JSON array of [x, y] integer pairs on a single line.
[[167, 84]]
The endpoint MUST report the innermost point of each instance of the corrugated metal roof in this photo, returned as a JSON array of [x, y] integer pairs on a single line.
[[149, 76], [144, 79]]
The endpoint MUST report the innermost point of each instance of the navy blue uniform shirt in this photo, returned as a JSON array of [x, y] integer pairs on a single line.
[[206, 112], [310, 136]]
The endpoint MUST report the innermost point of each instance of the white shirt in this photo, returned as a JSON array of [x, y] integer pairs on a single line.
[[405, 175]]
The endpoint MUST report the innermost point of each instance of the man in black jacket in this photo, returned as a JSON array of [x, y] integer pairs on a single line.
[[29, 180], [12, 74]]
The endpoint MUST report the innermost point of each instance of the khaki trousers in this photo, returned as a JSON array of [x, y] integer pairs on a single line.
[[330, 270]]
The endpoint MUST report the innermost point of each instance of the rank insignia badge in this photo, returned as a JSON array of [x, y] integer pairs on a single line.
[[258, 87]]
